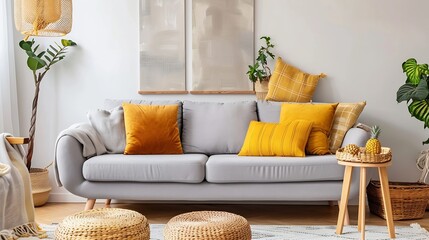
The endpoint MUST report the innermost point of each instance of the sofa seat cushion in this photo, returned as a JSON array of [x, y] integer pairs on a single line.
[[186, 168], [241, 169]]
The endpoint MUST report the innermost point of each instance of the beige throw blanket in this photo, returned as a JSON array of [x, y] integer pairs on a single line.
[[16, 200]]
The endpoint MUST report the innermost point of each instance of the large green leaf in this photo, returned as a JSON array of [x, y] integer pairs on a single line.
[[26, 45], [414, 71], [409, 91], [35, 63], [420, 110]]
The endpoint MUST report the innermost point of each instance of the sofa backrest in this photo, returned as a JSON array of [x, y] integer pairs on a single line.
[[112, 103], [269, 111], [214, 127]]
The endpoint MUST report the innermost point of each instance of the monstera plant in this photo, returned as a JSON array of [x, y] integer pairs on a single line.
[[415, 91]]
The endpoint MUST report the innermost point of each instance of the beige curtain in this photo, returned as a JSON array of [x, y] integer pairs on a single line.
[[9, 121]]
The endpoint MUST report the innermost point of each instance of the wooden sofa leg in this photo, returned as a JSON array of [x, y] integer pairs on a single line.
[[107, 205], [90, 204], [346, 216]]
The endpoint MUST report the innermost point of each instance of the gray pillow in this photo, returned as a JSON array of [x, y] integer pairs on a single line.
[[111, 103], [216, 128], [269, 111], [110, 127]]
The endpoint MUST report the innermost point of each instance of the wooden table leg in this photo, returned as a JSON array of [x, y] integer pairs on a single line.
[[346, 215], [344, 198], [382, 171], [360, 204], [362, 201]]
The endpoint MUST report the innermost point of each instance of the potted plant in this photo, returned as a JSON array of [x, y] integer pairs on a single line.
[[415, 92], [259, 73], [409, 199], [40, 63]]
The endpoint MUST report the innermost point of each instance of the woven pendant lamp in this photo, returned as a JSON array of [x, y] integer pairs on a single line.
[[50, 18]]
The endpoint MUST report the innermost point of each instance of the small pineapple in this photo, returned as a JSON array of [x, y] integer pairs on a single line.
[[353, 149], [373, 145]]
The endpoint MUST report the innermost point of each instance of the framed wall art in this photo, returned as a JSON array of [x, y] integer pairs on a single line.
[[222, 45], [162, 46]]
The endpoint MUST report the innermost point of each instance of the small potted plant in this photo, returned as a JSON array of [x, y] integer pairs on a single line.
[[259, 73], [40, 63]]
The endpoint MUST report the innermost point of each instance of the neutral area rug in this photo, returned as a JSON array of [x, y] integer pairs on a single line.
[[295, 232]]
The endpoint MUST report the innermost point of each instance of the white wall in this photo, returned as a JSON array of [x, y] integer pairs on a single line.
[[359, 44]]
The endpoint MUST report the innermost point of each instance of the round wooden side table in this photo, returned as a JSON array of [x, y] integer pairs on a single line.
[[382, 172]]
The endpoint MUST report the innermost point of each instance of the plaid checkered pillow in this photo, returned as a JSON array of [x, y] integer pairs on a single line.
[[345, 117], [289, 84]]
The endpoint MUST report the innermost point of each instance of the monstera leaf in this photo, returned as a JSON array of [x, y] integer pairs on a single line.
[[414, 71], [420, 110], [409, 91]]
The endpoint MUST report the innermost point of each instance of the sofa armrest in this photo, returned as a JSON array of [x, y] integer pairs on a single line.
[[356, 136], [69, 162]]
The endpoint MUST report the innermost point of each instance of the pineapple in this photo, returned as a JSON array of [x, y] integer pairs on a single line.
[[373, 145], [353, 149]]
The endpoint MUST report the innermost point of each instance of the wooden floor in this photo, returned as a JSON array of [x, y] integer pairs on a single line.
[[254, 213]]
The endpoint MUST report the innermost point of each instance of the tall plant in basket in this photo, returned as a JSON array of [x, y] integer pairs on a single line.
[[40, 62], [415, 92]]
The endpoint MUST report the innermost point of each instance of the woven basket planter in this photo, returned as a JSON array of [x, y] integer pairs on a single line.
[[261, 89], [40, 185], [207, 225], [408, 200], [104, 224]]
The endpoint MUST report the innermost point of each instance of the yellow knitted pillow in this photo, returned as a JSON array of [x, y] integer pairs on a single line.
[[320, 114], [273, 139], [345, 117], [289, 84]]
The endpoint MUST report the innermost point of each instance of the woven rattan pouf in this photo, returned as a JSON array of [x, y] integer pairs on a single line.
[[104, 223], [207, 225]]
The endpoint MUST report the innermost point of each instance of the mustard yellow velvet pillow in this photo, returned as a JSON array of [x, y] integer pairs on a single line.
[[320, 114], [346, 115], [273, 139], [290, 84], [151, 129]]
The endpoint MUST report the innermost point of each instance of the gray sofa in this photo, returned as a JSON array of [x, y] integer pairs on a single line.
[[210, 170]]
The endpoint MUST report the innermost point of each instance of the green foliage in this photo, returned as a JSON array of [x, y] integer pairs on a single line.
[[36, 61], [414, 71], [415, 91], [260, 70]]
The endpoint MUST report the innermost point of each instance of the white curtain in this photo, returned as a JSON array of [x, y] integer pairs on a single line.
[[9, 121]]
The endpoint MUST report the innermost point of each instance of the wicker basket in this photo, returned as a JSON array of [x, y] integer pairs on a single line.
[[207, 225], [40, 185], [104, 223], [261, 89], [365, 157], [408, 200]]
